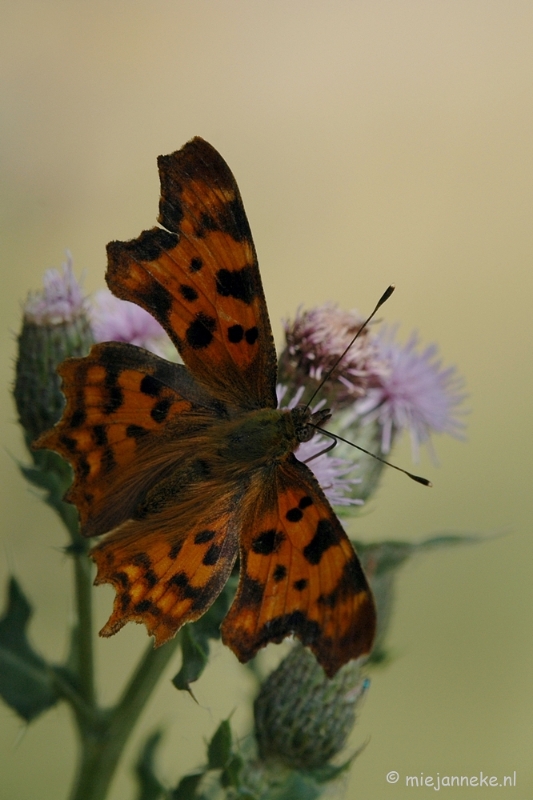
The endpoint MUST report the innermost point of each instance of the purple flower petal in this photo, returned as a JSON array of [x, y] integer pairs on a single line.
[[415, 393], [61, 299], [115, 320]]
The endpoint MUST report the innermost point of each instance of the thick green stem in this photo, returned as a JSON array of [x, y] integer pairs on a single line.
[[84, 633], [103, 746]]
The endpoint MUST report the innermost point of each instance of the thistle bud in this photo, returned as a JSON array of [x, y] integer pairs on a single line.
[[55, 326], [303, 718], [315, 341]]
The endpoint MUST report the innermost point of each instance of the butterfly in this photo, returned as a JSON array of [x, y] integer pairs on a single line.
[[187, 466]]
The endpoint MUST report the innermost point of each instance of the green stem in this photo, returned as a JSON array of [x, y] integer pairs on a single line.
[[102, 747], [84, 633]]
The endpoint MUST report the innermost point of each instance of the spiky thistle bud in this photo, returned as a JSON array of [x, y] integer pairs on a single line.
[[303, 718], [55, 326]]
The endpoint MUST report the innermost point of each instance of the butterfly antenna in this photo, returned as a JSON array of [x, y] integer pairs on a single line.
[[417, 478], [384, 297]]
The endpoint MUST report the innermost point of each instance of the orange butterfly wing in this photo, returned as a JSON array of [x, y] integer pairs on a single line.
[[200, 279], [169, 568], [299, 573]]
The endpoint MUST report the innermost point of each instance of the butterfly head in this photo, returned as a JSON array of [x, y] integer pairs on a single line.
[[306, 421]]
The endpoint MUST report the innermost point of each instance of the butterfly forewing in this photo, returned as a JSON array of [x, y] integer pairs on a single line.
[[299, 573], [199, 277]]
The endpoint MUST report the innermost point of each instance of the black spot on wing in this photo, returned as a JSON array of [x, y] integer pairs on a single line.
[[174, 550], [150, 578], [78, 418], [300, 584], [145, 605], [122, 579], [160, 411], [179, 580], [196, 264], [114, 393], [212, 555], [68, 443], [204, 536], [136, 431], [235, 334], [326, 536], [279, 573], [251, 335], [295, 514], [150, 386], [125, 601], [189, 293], [142, 560], [239, 284], [100, 435], [250, 592], [157, 300], [267, 542], [200, 332]]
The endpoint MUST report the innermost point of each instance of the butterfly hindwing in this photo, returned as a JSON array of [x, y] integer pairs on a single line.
[[200, 279], [299, 573], [129, 414], [168, 569]]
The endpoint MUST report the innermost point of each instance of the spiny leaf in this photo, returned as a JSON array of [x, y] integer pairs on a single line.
[[231, 773], [150, 788], [194, 660], [187, 787], [219, 748], [381, 561], [26, 681]]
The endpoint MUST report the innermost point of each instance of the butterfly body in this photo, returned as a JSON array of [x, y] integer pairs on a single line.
[[186, 466]]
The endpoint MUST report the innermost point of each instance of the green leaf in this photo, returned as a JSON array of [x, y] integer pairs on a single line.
[[194, 660], [150, 788], [231, 773], [26, 680], [208, 626], [219, 748], [53, 474], [186, 788], [381, 561]]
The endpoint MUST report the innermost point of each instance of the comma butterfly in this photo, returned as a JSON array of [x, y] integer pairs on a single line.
[[190, 464]]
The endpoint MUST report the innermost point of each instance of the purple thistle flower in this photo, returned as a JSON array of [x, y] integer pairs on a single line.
[[333, 474], [315, 341], [60, 301], [115, 320], [414, 393]]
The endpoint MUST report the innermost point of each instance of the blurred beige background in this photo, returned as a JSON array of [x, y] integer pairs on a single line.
[[373, 142]]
